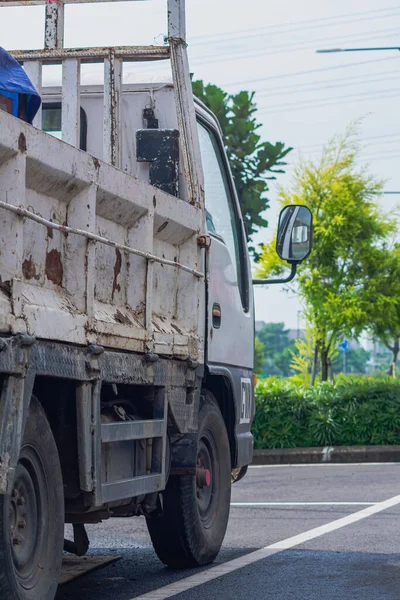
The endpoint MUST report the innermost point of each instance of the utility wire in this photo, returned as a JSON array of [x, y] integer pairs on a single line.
[[381, 155], [364, 139], [337, 80], [335, 98], [310, 71], [325, 87], [301, 25], [242, 56], [383, 94], [302, 44]]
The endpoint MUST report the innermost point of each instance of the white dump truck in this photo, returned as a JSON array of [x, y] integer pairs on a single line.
[[126, 311]]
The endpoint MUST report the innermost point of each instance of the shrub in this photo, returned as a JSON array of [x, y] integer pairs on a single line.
[[352, 411]]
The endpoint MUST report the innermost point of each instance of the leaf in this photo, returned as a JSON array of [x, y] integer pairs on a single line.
[[253, 162]]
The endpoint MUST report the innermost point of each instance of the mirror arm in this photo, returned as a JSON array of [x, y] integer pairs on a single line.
[[283, 280]]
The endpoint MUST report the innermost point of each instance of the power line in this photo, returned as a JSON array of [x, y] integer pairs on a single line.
[[382, 155], [365, 139], [376, 158], [310, 71], [321, 102], [366, 157], [307, 84], [240, 55], [345, 97], [300, 25], [388, 151], [325, 87], [304, 45], [367, 148]]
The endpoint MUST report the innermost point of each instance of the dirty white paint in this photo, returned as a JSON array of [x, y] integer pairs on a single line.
[[112, 109], [92, 254], [83, 287], [54, 24], [70, 120]]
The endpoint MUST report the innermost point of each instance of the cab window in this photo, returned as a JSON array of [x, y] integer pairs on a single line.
[[51, 122], [221, 216]]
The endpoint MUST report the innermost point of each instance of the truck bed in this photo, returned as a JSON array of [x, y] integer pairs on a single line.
[[100, 270]]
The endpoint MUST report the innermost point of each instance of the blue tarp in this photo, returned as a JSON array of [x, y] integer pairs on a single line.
[[14, 81]]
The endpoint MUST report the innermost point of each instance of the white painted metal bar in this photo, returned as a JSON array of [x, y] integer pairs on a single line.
[[70, 106], [54, 24], [93, 55], [84, 393], [184, 103], [22, 212], [112, 117], [149, 302], [34, 71], [176, 19]]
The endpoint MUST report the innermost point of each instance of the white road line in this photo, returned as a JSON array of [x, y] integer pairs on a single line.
[[255, 504], [238, 563], [332, 464]]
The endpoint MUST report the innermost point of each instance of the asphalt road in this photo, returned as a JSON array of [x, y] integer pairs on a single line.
[[314, 556]]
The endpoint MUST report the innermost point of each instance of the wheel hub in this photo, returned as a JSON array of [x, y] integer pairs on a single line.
[[207, 494], [24, 514], [203, 477]]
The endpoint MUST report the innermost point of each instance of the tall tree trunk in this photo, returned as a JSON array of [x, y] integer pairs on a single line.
[[314, 364], [330, 370], [324, 364], [395, 352]]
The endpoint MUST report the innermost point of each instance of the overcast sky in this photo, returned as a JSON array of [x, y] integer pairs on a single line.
[[269, 47]]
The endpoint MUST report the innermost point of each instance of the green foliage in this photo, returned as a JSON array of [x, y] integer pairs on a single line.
[[277, 348], [252, 161], [356, 361], [340, 281], [353, 411], [258, 356], [302, 356], [385, 287]]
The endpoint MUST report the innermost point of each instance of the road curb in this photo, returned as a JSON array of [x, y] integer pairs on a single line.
[[327, 454]]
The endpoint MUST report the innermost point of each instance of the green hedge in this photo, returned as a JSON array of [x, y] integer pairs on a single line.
[[352, 411]]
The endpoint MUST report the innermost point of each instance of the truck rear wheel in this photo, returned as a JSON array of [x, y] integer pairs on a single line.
[[32, 518], [192, 527]]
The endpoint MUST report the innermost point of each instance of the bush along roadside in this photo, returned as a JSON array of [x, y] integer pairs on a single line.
[[350, 412]]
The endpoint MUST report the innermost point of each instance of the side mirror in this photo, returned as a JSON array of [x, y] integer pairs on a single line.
[[293, 240], [294, 237]]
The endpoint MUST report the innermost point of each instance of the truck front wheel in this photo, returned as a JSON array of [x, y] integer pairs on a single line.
[[32, 517], [195, 515]]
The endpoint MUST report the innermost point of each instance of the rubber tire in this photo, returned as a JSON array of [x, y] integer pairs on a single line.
[[38, 438], [179, 537]]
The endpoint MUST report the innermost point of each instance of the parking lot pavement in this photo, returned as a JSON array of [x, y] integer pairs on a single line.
[[295, 532]]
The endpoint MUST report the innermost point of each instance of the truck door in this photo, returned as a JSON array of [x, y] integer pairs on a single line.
[[230, 329]]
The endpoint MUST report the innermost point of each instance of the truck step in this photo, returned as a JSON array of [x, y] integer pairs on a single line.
[[129, 488], [132, 430]]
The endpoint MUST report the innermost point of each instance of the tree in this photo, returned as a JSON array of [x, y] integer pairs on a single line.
[[252, 162], [277, 348], [350, 243], [356, 361], [258, 356], [385, 287]]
